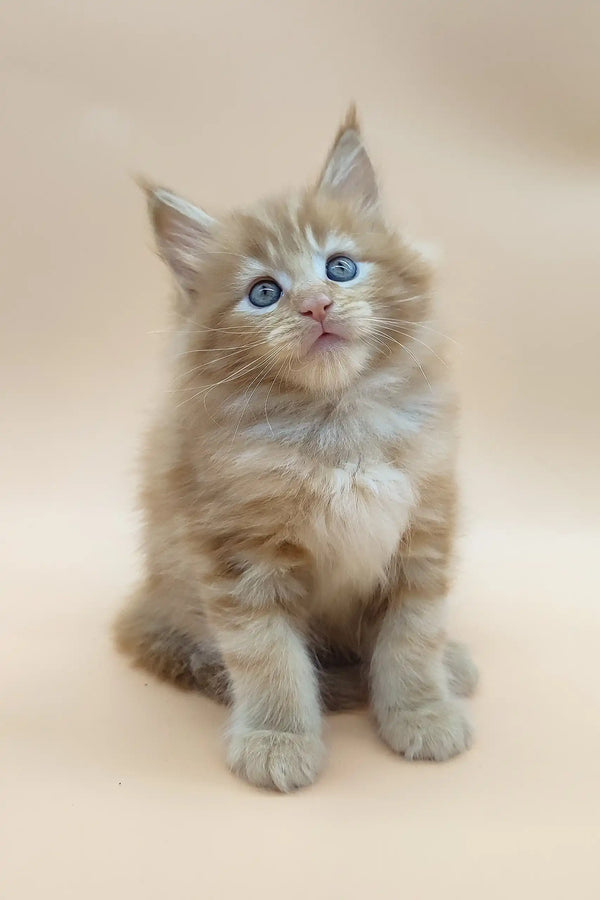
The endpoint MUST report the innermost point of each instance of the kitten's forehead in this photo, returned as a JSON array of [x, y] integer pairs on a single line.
[[287, 233]]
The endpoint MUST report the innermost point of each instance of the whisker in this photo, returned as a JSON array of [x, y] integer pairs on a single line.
[[413, 338], [236, 351], [264, 371], [250, 366], [416, 324], [269, 394], [181, 375], [413, 357], [378, 342], [409, 299], [216, 349], [226, 329]]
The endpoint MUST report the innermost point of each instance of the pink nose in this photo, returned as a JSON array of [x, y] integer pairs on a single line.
[[316, 307]]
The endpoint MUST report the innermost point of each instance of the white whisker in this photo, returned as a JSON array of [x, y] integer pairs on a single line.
[[269, 394], [411, 354], [239, 372], [211, 362], [425, 325], [264, 371], [413, 338]]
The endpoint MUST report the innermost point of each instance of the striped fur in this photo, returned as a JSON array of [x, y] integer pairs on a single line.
[[300, 502]]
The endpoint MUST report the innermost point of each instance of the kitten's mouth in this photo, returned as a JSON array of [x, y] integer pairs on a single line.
[[326, 340]]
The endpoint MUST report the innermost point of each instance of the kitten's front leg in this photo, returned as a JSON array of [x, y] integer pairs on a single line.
[[274, 736], [416, 712]]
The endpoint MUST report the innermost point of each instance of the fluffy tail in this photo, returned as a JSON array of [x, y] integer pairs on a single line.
[[174, 657], [343, 687]]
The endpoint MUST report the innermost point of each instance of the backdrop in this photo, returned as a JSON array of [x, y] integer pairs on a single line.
[[483, 119]]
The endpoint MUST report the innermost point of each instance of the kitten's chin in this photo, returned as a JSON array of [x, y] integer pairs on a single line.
[[332, 364]]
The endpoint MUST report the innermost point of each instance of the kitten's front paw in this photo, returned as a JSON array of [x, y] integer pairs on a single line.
[[279, 760], [463, 674], [437, 730]]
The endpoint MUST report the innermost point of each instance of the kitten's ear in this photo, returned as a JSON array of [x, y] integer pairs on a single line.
[[183, 233], [348, 171]]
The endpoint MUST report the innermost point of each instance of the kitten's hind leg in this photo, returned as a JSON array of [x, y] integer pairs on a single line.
[[160, 643], [463, 674]]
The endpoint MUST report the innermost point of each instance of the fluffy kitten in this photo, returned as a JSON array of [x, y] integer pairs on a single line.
[[299, 481]]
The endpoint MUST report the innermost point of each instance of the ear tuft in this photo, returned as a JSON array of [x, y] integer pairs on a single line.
[[183, 232], [348, 171], [350, 123]]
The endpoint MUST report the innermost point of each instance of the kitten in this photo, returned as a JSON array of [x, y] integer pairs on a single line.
[[299, 481]]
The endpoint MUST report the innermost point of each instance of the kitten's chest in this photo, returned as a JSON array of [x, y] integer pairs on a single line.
[[345, 487], [360, 511]]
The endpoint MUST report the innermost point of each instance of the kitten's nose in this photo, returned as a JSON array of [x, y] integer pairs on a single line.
[[316, 307]]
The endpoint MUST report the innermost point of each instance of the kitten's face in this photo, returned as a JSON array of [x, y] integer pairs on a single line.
[[311, 291]]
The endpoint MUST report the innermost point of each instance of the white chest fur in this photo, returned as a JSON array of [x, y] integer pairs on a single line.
[[361, 511], [360, 503]]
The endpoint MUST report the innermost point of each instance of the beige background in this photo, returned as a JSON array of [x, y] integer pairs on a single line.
[[484, 120]]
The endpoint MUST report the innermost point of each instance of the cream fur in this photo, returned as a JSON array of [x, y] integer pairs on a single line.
[[300, 501]]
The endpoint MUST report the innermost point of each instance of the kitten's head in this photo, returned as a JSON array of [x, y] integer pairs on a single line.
[[310, 290]]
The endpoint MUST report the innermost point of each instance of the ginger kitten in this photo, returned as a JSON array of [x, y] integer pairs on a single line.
[[299, 486]]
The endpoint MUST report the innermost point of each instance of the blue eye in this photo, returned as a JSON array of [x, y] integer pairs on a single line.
[[265, 293], [341, 268]]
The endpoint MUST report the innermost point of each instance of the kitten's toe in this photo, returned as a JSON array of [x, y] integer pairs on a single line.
[[463, 674], [278, 760], [436, 730]]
